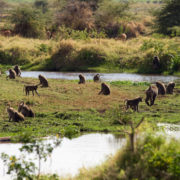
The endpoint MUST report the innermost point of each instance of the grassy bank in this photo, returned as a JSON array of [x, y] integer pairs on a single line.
[[100, 55], [69, 108]]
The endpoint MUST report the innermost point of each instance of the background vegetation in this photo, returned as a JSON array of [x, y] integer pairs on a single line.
[[85, 35]]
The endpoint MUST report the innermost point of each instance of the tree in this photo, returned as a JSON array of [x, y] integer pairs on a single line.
[[28, 22], [41, 4], [76, 15], [168, 16]]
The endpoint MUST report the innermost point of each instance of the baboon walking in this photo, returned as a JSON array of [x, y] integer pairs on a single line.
[[43, 81], [161, 88], [133, 103], [14, 115], [30, 88], [104, 89], [12, 74], [96, 78], [170, 88], [25, 110], [17, 70], [151, 94], [81, 79]]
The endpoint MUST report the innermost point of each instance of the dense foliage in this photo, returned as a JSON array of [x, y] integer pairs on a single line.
[[168, 16], [28, 22]]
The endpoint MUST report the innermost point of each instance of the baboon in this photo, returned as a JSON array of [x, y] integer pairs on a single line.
[[133, 103], [25, 110], [31, 88], [156, 62], [81, 79], [7, 33], [104, 89], [17, 70], [96, 78], [12, 74], [43, 81], [123, 36], [161, 88], [151, 94], [170, 88], [14, 115]]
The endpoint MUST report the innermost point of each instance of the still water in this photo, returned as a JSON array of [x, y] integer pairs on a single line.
[[104, 76], [85, 151]]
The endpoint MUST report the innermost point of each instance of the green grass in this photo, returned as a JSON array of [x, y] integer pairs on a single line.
[[69, 108]]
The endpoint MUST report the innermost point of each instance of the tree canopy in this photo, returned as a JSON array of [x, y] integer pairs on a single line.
[[168, 16]]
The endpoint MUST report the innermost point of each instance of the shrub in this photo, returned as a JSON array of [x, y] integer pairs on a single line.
[[63, 57], [28, 22]]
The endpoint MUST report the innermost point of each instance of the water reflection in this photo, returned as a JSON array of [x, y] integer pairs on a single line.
[[104, 76], [85, 151]]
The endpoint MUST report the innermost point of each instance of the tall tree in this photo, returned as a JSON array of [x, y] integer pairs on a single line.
[[168, 16]]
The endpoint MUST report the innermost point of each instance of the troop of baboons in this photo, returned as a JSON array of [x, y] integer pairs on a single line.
[[25, 111]]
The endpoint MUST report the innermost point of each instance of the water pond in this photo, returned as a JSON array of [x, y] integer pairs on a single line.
[[85, 151], [104, 76]]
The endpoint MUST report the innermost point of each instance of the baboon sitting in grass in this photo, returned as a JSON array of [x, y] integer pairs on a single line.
[[25, 110], [43, 81], [161, 88], [96, 78], [81, 79], [151, 94], [31, 88], [17, 70], [170, 88], [14, 115], [133, 103], [104, 89], [12, 74]]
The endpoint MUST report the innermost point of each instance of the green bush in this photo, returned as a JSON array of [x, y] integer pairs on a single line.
[[28, 22]]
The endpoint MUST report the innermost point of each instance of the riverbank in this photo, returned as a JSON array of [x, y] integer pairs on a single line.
[[69, 108], [92, 55]]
